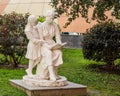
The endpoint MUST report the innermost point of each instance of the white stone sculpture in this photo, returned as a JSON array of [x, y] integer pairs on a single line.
[[34, 47], [48, 54]]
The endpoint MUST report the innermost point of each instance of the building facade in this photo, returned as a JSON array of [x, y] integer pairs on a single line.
[[39, 8]]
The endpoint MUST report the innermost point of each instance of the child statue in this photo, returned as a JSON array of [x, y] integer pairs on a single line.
[[33, 48]]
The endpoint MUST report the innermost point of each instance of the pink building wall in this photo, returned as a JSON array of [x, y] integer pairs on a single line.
[[3, 4], [79, 25]]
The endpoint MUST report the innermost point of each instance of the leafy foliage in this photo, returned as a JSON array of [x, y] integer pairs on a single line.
[[12, 37], [75, 8], [102, 43], [41, 19]]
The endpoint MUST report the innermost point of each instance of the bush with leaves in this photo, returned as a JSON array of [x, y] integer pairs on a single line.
[[102, 43], [74, 9], [41, 19], [12, 38]]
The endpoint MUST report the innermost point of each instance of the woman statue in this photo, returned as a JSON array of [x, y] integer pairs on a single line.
[[51, 58]]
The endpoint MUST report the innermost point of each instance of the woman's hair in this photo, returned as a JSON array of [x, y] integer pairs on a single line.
[[50, 13]]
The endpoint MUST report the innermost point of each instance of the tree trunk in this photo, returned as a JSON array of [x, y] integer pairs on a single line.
[[111, 65], [15, 65], [13, 62]]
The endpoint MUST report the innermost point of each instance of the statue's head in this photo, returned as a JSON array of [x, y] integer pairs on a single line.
[[32, 20], [50, 15]]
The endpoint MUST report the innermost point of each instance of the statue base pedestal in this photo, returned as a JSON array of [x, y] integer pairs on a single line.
[[38, 82], [71, 89]]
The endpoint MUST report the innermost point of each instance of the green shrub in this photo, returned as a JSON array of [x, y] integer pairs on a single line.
[[12, 38], [102, 43], [41, 19]]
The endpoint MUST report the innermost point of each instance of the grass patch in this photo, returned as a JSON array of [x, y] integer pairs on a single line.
[[5, 88], [76, 69]]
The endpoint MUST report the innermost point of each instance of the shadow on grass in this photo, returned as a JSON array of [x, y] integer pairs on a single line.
[[104, 68]]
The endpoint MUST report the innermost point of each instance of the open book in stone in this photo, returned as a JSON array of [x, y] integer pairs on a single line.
[[58, 46]]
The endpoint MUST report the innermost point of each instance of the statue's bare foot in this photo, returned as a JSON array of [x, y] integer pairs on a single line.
[[53, 78], [28, 71], [57, 77]]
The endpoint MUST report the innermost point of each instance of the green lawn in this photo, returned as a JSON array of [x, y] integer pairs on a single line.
[[76, 69]]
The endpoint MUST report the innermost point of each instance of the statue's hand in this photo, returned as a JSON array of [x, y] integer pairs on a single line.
[[42, 42], [47, 46], [36, 41]]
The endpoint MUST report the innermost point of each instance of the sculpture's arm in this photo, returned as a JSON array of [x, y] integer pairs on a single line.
[[30, 36], [40, 31], [57, 35]]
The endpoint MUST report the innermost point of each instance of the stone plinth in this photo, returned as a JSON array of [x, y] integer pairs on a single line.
[[38, 82], [72, 89]]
